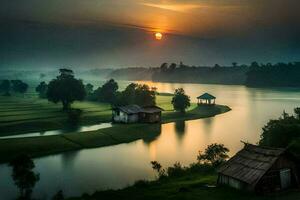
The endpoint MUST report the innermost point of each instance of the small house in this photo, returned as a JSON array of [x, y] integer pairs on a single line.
[[150, 114], [135, 114], [206, 99], [259, 169]]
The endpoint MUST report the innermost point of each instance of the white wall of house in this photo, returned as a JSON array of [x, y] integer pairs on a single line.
[[124, 117]]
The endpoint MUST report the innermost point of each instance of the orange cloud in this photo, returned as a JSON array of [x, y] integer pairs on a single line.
[[175, 7]]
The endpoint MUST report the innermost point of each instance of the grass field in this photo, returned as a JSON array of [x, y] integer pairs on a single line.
[[190, 186], [21, 115], [32, 114]]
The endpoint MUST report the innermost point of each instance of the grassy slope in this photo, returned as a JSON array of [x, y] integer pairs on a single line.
[[190, 186], [21, 115], [123, 133]]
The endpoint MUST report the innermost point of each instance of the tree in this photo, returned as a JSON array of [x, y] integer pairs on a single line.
[[65, 89], [5, 86], [89, 89], [42, 89], [214, 154], [164, 67], [297, 112], [23, 175], [281, 132], [156, 166], [19, 86], [144, 96], [138, 94], [172, 67], [180, 100], [107, 93]]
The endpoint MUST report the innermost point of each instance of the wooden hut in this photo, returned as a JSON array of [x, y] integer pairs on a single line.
[[260, 169], [150, 114], [206, 99], [135, 113], [126, 114]]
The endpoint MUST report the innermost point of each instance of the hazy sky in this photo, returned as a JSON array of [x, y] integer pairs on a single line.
[[117, 33]]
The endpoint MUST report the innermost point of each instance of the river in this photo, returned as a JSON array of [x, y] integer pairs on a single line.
[[121, 165]]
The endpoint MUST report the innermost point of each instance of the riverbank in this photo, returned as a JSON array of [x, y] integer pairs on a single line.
[[191, 184], [19, 115], [122, 133]]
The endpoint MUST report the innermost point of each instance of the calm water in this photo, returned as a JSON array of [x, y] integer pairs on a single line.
[[120, 165], [57, 132]]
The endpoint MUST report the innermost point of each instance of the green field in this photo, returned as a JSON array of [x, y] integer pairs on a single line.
[[189, 186], [20, 115]]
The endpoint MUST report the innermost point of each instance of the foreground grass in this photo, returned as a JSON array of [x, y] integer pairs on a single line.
[[22, 116], [191, 185]]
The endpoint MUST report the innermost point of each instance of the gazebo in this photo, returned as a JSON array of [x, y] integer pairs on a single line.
[[206, 99]]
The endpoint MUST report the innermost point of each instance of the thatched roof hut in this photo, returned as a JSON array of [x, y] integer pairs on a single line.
[[259, 169]]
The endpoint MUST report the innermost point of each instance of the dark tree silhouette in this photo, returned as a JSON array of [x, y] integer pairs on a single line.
[[164, 67], [282, 131], [172, 67], [107, 93], [89, 89], [65, 89], [19, 86], [138, 94], [180, 100], [23, 175], [42, 89], [214, 154], [280, 74], [5, 86]]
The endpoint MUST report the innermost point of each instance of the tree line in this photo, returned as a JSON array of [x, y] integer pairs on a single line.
[[269, 75], [9, 86], [65, 88], [253, 75]]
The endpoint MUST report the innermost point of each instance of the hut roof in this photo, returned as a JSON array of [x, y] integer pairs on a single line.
[[206, 96], [152, 109], [251, 163], [135, 109], [130, 109]]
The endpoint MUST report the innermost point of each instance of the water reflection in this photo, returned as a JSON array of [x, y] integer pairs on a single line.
[[67, 129], [155, 130], [120, 165], [68, 159], [180, 129], [208, 124]]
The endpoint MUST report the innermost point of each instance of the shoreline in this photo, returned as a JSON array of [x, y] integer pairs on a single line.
[[122, 133]]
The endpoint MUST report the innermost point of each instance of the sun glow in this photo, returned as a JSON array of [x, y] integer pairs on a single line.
[[158, 36]]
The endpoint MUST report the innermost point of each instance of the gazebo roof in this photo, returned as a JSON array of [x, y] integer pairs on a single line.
[[206, 96]]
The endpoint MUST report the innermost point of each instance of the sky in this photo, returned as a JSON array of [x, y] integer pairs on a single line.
[[120, 33]]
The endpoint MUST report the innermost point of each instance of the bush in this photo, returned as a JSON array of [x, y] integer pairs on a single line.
[[176, 170]]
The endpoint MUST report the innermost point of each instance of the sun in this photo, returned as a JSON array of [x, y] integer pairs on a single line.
[[158, 36]]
